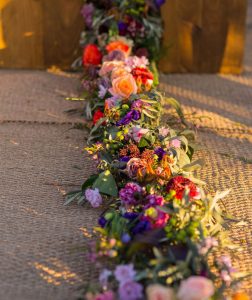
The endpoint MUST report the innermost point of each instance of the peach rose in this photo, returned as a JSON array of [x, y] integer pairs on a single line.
[[108, 66], [118, 72], [196, 288], [159, 292], [121, 44], [124, 86]]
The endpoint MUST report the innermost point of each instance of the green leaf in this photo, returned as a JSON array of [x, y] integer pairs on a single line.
[[106, 184], [89, 181], [72, 196]]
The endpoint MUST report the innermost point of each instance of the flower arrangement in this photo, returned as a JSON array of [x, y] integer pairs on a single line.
[[160, 235]]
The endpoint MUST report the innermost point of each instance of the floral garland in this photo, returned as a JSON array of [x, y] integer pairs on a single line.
[[160, 236]]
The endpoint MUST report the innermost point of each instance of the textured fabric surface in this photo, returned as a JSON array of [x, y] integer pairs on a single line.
[[42, 242]]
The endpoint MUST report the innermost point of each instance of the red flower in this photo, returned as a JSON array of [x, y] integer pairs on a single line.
[[142, 75], [179, 184], [91, 55], [97, 116]]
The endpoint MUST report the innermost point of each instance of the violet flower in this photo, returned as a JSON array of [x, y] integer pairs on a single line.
[[130, 290], [131, 115], [87, 13], [129, 193], [159, 152]]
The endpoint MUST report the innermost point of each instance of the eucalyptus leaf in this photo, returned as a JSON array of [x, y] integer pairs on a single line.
[[106, 184]]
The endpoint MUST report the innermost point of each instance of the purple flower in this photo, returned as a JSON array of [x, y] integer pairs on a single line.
[[130, 215], [129, 193], [138, 104], [154, 200], [87, 13], [131, 115], [125, 158], [115, 55], [159, 152], [104, 276], [102, 222], [141, 227], [93, 197], [122, 28], [159, 3], [126, 238], [130, 291], [124, 273]]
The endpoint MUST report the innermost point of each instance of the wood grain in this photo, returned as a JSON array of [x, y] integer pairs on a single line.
[[37, 34], [204, 36]]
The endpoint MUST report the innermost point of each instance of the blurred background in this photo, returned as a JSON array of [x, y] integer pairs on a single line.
[[200, 36]]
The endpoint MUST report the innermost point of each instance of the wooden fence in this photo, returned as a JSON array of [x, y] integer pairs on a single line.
[[200, 35]]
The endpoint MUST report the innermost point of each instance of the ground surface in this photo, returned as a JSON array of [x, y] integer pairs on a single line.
[[41, 241]]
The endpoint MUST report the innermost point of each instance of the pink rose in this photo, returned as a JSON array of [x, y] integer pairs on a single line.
[[108, 66], [123, 86], [159, 292], [196, 288]]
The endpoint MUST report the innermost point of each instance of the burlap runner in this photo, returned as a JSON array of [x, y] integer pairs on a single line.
[[42, 242]]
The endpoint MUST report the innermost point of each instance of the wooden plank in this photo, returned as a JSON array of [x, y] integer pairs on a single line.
[[205, 36], [62, 27], [20, 34]]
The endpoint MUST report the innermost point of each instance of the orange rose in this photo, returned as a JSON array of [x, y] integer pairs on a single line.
[[120, 44], [124, 86], [240, 296]]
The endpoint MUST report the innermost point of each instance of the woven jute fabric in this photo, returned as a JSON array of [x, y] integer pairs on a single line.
[[43, 243]]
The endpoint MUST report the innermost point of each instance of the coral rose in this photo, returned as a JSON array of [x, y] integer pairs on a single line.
[[196, 288], [159, 292], [120, 44], [91, 55], [124, 86]]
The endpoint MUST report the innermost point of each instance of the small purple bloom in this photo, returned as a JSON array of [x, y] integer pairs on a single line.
[[102, 222], [141, 227], [130, 291], [159, 3], [126, 238], [154, 200], [104, 276], [159, 152], [129, 193], [124, 273], [115, 55], [125, 158], [130, 215], [93, 197], [87, 13], [122, 28], [131, 115]]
